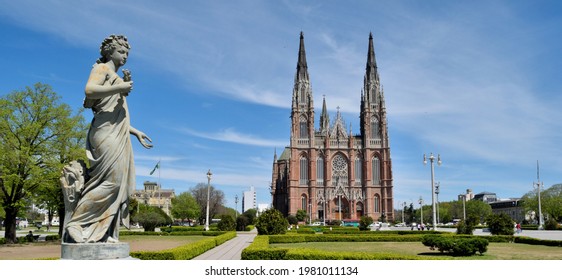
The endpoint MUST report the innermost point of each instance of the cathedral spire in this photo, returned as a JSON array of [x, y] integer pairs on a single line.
[[371, 74], [324, 118], [371, 61], [302, 68], [302, 111], [372, 99], [302, 93]]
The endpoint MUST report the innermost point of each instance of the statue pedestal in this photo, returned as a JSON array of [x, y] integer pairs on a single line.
[[95, 251]]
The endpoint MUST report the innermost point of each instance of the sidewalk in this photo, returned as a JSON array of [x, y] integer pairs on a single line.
[[231, 249]]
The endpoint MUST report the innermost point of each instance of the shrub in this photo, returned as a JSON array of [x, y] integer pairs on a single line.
[[500, 224], [241, 222], [292, 220], [365, 222], [226, 223], [334, 223], [271, 222], [551, 224], [151, 217], [465, 227], [251, 214], [301, 215], [456, 246]]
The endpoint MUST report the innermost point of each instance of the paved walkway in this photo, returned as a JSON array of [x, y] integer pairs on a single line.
[[231, 249]]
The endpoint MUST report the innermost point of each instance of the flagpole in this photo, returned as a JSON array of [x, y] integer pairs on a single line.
[[159, 186]]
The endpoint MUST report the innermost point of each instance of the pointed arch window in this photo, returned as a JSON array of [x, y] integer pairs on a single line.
[[358, 170], [303, 170], [303, 202], [320, 170], [376, 171], [375, 129], [303, 128], [377, 204]]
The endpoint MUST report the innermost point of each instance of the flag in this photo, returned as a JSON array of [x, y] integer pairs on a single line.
[[155, 167]]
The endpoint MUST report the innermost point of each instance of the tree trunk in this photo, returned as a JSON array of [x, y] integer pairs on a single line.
[[10, 224], [61, 210]]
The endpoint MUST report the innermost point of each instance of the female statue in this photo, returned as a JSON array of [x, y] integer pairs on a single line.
[[102, 204]]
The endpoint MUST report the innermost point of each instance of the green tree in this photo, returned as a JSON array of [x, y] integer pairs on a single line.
[[551, 224], [216, 200], [223, 210], [241, 223], [150, 217], [466, 226], [292, 220], [409, 214], [500, 224], [301, 215], [271, 222], [551, 201], [251, 214], [364, 222], [226, 223], [34, 129], [477, 210], [185, 207]]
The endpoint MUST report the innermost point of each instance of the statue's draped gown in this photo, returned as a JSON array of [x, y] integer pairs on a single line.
[[111, 173]]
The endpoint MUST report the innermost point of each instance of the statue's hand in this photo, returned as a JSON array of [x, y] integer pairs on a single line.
[[126, 87], [143, 138]]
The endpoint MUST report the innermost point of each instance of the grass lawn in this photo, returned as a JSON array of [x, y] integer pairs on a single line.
[[496, 251]]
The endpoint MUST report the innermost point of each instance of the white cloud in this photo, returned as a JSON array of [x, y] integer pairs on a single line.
[[232, 136]]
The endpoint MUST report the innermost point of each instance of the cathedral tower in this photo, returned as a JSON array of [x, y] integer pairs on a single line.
[[330, 173]]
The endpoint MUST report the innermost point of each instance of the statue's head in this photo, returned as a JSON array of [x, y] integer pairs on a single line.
[[109, 45]]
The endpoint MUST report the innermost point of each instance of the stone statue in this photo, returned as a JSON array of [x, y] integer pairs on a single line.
[[97, 202]]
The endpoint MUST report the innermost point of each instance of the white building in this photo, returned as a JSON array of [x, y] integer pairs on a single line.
[[262, 207], [249, 200]]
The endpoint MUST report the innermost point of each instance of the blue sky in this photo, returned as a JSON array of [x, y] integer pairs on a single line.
[[478, 82]]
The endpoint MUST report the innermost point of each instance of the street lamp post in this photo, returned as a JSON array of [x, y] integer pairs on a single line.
[[339, 207], [421, 211], [209, 174], [541, 220], [403, 206], [437, 199], [463, 197], [431, 159], [310, 206], [236, 203], [539, 184]]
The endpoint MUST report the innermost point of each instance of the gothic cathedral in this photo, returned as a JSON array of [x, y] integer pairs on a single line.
[[330, 173]]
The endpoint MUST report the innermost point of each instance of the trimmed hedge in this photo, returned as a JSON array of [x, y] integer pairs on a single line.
[[185, 252], [260, 250], [184, 228], [23, 239], [313, 254], [305, 231], [386, 232], [53, 237], [534, 241], [358, 237], [176, 233]]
